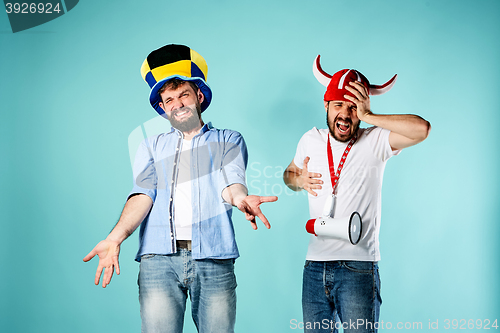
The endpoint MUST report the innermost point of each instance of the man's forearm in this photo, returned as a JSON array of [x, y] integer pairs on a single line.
[[135, 210], [408, 125], [292, 180]]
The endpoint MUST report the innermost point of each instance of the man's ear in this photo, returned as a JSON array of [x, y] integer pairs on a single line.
[[326, 105], [201, 97], [161, 105]]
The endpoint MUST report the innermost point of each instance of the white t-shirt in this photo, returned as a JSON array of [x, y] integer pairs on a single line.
[[359, 189], [183, 214]]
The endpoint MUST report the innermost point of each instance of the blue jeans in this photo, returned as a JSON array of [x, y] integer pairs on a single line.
[[165, 282], [349, 290]]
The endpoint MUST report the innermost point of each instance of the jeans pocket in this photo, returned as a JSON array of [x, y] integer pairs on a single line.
[[359, 266], [147, 256], [223, 261]]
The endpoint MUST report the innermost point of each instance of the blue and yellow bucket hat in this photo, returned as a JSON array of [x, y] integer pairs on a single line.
[[175, 61]]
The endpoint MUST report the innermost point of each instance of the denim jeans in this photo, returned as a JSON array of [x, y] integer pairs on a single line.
[[349, 290], [165, 281]]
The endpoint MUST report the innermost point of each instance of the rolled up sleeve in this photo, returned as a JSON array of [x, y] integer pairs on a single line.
[[144, 170], [234, 162]]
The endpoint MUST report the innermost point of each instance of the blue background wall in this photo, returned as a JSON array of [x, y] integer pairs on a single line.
[[71, 93]]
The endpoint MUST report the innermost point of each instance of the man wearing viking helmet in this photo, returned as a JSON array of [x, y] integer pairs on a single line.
[[342, 167], [186, 182]]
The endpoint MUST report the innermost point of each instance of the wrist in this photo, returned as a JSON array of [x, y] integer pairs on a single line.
[[367, 117], [114, 238], [238, 199]]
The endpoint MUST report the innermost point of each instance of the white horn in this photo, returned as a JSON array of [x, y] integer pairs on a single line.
[[323, 77], [382, 89]]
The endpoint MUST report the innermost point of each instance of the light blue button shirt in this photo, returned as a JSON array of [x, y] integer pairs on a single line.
[[218, 159]]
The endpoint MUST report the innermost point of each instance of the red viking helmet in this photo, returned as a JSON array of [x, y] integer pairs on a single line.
[[335, 84]]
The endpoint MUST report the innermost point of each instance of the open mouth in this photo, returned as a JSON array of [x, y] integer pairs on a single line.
[[182, 113], [343, 126]]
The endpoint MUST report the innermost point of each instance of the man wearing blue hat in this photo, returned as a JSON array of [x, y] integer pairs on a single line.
[[186, 182]]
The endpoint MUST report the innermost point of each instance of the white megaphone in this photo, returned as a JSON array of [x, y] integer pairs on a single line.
[[349, 228]]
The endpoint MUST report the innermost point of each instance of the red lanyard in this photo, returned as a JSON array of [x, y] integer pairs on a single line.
[[336, 175]]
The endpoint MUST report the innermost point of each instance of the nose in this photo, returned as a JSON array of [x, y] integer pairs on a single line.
[[176, 104], [345, 110]]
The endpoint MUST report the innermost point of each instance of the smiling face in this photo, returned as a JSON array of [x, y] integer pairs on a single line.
[[182, 106], [342, 119]]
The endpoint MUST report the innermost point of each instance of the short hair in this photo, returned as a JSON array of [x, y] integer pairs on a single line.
[[175, 83]]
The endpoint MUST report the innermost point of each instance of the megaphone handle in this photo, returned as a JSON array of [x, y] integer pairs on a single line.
[[329, 208]]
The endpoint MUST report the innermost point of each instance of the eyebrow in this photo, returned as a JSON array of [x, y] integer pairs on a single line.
[[182, 92]]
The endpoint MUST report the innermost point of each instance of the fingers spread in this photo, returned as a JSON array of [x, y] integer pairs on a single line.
[[254, 224], [98, 275], [117, 265], [268, 199], [306, 160], [89, 256], [107, 276], [264, 220], [311, 192], [315, 181]]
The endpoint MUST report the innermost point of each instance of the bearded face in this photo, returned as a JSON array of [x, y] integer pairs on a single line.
[[342, 120], [182, 106], [186, 118]]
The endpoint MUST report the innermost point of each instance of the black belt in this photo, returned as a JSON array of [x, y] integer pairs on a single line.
[[184, 244]]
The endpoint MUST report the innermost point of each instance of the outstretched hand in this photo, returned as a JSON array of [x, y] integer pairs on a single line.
[[310, 180], [250, 206], [108, 252]]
